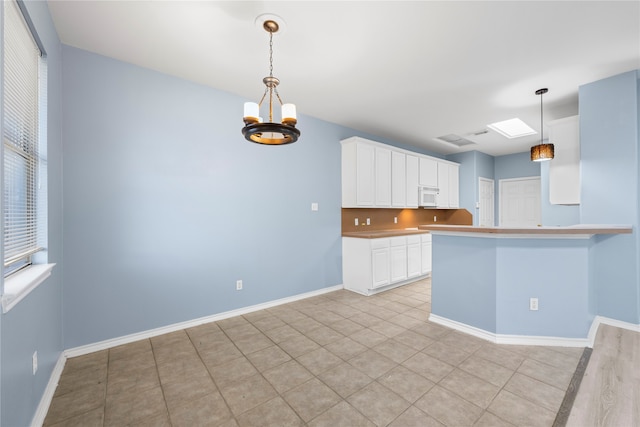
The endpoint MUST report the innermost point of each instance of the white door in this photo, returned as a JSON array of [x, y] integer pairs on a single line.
[[520, 202], [486, 203]]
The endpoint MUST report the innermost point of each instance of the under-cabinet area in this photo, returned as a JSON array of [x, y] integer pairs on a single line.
[[371, 265]]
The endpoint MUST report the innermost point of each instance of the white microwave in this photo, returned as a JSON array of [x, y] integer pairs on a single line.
[[428, 196]]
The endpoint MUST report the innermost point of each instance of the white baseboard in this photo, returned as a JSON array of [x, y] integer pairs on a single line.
[[45, 401], [114, 342], [601, 320], [510, 339]]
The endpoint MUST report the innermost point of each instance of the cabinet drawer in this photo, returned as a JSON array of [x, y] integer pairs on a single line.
[[379, 243], [398, 241], [412, 240]]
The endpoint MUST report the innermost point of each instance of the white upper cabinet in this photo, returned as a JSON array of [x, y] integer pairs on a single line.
[[564, 169], [412, 181], [383, 177], [358, 175], [428, 172], [376, 175], [448, 186], [398, 179]]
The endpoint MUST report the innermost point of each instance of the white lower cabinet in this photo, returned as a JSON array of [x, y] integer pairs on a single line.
[[380, 262], [398, 259], [414, 256], [371, 265], [426, 253]]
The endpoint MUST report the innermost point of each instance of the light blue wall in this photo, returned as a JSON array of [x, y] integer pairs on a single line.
[[467, 176], [35, 323], [473, 165], [553, 270], [499, 277], [166, 205], [609, 126], [466, 295]]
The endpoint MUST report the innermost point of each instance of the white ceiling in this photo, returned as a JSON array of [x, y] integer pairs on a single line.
[[409, 71]]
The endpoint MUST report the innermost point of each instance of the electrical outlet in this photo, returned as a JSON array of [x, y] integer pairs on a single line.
[[314, 206], [238, 285], [368, 221], [34, 362], [356, 221], [533, 304], [435, 218], [395, 219]]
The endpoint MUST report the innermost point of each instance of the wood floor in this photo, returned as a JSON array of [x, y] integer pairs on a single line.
[[610, 391]]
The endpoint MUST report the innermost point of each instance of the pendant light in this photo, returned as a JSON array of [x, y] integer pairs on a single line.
[[270, 133], [542, 152]]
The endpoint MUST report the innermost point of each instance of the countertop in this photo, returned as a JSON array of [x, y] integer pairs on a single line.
[[378, 234], [579, 229]]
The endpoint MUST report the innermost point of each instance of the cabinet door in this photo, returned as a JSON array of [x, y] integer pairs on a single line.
[[380, 263], [413, 176], [414, 258], [398, 180], [564, 170], [365, 175], [454, 187], [428, 172], [426, 255], [398, 259], [443, 185], [383, 177]]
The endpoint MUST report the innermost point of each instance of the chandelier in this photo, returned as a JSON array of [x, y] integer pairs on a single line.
[[542, 152], [270, 133]]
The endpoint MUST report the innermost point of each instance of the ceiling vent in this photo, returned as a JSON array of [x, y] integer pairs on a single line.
[[456, 140]]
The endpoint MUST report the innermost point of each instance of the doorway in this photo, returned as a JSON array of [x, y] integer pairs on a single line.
[[520, 202]]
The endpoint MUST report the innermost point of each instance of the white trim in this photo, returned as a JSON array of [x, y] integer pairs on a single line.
[[20, 284], [102, 345], [509, 339], [601, 320], [47, 397]]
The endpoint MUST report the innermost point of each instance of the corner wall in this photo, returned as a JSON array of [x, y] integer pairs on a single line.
[[35, 323], [609, 127]]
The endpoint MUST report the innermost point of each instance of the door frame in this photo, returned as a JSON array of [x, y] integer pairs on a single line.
[[493, 199]]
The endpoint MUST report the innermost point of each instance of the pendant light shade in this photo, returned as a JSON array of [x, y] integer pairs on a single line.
[[270, 132], [542, 152]]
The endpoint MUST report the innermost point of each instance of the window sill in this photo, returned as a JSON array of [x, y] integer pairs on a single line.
[[20, 284]]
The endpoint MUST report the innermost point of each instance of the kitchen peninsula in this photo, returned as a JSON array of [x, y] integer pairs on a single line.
[[517, 285]]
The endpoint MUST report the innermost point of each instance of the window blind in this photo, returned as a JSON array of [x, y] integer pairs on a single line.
[[20, 139]]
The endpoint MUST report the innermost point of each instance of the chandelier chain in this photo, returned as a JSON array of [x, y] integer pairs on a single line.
[[270, 54]]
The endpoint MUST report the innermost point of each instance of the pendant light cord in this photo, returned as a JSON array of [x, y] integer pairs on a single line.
[[541, 121]]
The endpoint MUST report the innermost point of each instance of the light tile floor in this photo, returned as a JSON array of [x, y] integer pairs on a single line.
[[339, 359]]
